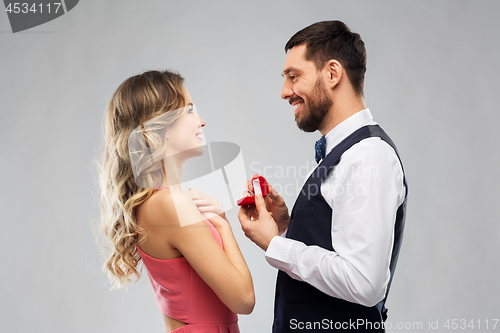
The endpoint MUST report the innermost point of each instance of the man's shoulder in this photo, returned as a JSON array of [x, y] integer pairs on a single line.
[[366, 157], [371, 159], [370, 148]]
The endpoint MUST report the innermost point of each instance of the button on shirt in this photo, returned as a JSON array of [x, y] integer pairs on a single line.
[[364, 191]]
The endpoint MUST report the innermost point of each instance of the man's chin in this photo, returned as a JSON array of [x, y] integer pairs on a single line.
[[308, 128]]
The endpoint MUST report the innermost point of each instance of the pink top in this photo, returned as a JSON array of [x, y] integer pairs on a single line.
[[182, 294]]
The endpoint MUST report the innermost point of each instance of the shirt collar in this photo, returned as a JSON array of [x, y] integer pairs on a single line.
[[346, 128]]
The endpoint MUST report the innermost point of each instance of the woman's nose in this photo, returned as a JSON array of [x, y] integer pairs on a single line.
[[202, 121]]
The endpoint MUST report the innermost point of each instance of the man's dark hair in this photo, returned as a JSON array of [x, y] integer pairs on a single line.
[[328, 40]]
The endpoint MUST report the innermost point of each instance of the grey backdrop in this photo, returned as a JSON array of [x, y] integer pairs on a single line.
[[432, 83]]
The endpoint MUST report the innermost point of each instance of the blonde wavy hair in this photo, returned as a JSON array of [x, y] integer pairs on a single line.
[[138, 99]]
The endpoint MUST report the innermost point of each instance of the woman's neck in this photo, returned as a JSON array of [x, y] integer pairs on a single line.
[[173, 169]]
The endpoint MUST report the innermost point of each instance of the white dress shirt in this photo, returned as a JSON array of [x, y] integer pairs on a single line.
[[364, 191]]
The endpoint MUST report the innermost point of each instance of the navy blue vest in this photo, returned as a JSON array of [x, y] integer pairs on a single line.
[[298, 303]]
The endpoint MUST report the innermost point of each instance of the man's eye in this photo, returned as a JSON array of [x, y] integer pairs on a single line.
[[292, 77]]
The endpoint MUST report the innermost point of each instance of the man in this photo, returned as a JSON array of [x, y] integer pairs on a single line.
[[337, 252]]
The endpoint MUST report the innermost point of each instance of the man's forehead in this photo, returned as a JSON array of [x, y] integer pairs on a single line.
[[295, 60]]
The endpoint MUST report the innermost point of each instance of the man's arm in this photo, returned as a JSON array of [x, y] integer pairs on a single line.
[[364, 190]]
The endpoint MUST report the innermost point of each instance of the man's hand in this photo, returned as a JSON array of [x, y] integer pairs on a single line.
[[260, 230], [275, 205]]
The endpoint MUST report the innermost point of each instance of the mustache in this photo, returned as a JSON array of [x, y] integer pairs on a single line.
[[295, 99]]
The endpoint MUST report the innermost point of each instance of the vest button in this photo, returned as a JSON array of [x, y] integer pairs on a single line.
[[275, 321]]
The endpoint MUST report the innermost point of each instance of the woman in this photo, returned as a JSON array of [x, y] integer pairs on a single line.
[[198, 274]]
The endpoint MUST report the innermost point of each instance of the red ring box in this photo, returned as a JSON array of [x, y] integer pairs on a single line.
[[250, 200]]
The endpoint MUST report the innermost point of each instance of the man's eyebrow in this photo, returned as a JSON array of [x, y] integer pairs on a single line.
[[288, 70]]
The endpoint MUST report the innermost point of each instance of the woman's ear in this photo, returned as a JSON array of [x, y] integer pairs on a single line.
[[333, 69]]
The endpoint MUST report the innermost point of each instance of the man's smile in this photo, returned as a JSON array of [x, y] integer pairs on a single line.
[[297, 107], [297, 104]]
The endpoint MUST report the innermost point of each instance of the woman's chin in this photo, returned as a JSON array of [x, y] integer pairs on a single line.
[[200, 150], [187, 154]]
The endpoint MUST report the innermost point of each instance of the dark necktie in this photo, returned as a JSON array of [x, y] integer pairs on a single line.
[[320, 148]]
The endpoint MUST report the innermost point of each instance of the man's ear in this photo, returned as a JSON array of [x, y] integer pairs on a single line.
[[333, 70]]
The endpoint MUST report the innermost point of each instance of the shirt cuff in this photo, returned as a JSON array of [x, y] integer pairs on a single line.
[[278, 252]]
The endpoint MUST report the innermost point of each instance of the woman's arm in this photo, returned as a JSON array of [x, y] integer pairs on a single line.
[[225, 271], [212, 209], [233, 253]]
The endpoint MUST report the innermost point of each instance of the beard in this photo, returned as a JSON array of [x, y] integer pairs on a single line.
[[314, 113]]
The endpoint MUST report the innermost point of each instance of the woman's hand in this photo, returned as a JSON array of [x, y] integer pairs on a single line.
[[208, 206]]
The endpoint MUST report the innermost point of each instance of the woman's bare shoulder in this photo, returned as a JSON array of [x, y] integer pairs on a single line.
[[173, 208]]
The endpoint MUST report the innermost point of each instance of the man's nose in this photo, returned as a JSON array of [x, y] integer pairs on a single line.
[[287, 91]]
